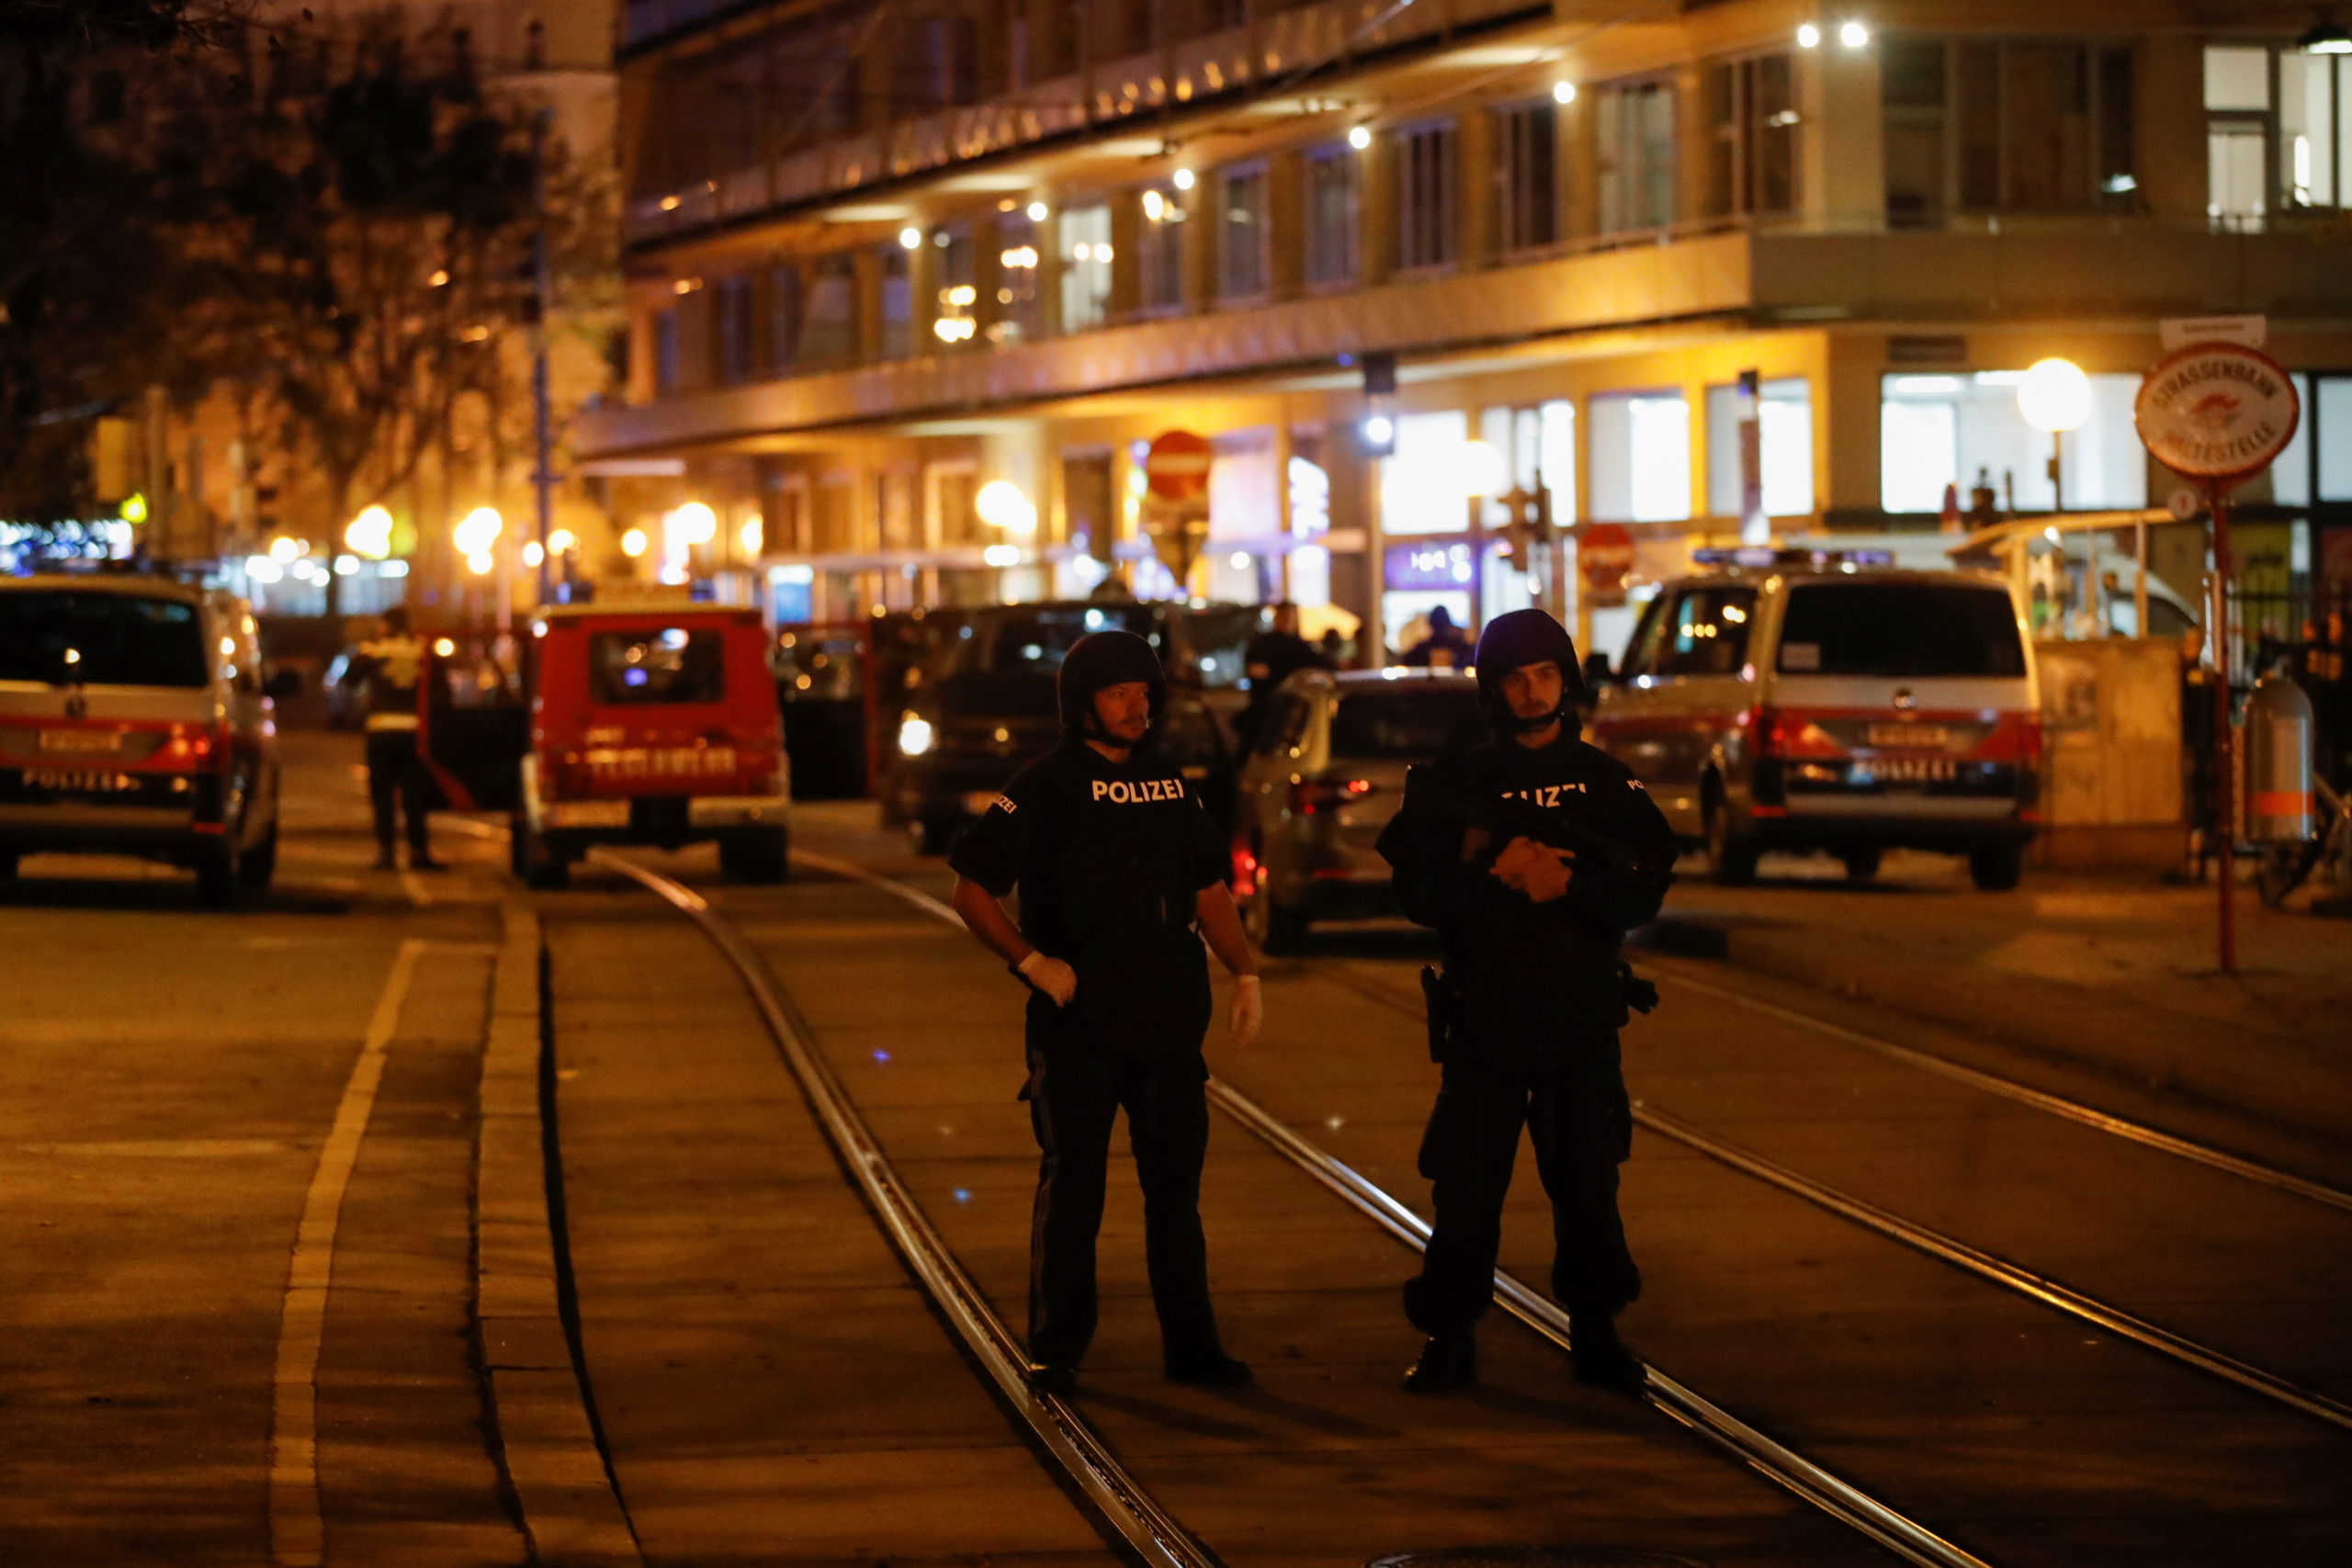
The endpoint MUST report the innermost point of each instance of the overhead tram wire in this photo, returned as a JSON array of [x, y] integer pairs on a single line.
[[1115, 1496], [1960, 1255], [1783, 1466]]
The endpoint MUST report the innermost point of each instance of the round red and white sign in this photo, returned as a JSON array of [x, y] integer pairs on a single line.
[[1604, 558], [1177, 466], [2217, 411]]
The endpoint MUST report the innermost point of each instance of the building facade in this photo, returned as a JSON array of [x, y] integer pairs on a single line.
[[1695, 270]]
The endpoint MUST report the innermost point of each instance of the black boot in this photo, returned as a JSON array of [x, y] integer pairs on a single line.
[[1448, 1361], [385, 860], [1213, 1369], [1053, 1377], [1602, 1359]]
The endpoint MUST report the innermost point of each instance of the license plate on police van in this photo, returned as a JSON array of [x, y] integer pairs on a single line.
[[81, 740], [1909, 735], [1914, 770]]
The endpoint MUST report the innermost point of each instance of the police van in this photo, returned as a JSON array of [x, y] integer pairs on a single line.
[[1797, 701]]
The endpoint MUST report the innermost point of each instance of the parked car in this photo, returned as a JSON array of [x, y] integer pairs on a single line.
[[650, 723], [986, 707], [133, 721], [1837, 708], [1325, 774]]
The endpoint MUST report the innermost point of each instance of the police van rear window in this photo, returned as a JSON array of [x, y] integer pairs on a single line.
[[67, 637], [1416, 725], [1907, 630], [672, 665]]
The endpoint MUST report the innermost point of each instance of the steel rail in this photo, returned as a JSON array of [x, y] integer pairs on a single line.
[[1841, 1499], [1960, 1254], [2008, 1088], [1118, 1496]]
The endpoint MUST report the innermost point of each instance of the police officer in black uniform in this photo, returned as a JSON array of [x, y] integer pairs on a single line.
[[1525, 1016], [1120, 876], [389, 667]]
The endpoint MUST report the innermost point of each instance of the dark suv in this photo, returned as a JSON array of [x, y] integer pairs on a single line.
[[986, 706]]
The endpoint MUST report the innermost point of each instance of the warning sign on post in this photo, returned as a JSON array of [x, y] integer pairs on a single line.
[[1604, 560], [2217, 412]]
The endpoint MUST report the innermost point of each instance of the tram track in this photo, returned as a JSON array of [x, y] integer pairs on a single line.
[[1813, 1484], [1983, 1265]]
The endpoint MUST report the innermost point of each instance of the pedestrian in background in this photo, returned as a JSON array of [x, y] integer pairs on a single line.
[[389, 666], [1524, 1018], [1445, 648], [1120, 873], [1272, 657]]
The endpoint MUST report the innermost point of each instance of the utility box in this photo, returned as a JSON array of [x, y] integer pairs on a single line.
[[2277, 763], [2111, 788]]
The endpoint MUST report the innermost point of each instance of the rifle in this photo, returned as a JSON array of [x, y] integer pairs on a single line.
[[1506, 819]]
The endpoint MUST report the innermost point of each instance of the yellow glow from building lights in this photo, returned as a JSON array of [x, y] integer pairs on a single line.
[[914, 733], [1001, 556], [1039, 212], [1001, 504], [134, 508], [1853, 35], [1155, 205], [283, 550], [910, 238], [952, 329], [753, 534], [563, 541], [1360, 137], [1564, 92], [481, 562], [1184, 179], [440, 278], [370, 533], [1808, 35], [2054, 396], [633, 543], [963, 294], [669, 203], [477, 531], [694, 523], [443, 647], [261, 568], [533, 552]]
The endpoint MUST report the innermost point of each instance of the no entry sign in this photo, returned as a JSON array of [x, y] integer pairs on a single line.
[[1604, 560], [1177, 468], [2217, 412]]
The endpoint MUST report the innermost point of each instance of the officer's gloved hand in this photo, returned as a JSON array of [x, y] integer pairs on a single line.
[[1543, 875], [1248, 1014], [1051, 975]]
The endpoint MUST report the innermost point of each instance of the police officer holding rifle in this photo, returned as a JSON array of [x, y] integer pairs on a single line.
[[1120, 873], [1532, 855]]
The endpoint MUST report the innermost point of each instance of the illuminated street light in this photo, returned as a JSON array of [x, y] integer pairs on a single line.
[[134, 509], [283, 550], [370, 534], [480, 563], [1001, 555], [2326, 38], [633, 543], [753, 534], [1564, 92], [1360, 137], [1184, 179], [1853, 35], [1001, 504], [533, 553], [910, 238], [1038, 211], [1808, 35], [562, 542], [1484, 472], [477, 531], [1155, 205], [694, 523], [2054, 397]]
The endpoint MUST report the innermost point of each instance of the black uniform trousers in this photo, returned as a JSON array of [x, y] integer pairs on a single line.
[[395, 772], [1581, 1126], [1075, 1093]]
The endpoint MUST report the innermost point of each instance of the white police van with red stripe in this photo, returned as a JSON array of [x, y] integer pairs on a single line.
[[1812, 703]]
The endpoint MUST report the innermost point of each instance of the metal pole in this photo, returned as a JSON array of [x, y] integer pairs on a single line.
[[1477, 564], [2224, 828], [543, 287], [2140, 588]]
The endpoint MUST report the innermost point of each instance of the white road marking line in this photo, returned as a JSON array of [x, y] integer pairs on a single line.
[[416, 892], [297, 1531]]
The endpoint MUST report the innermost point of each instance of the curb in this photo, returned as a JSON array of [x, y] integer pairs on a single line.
[[545, 1438], [2116, 1036]]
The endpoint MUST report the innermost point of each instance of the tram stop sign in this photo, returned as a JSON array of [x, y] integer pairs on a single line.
[[1177, 466], [2217, 413], [1604, 560]]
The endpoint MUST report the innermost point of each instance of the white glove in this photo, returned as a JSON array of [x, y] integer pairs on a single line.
[[1248, 1014], [1051, 975]]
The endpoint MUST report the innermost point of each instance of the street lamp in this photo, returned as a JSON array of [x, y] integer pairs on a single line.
[[370, 534], [1484, 473], [1001, 504], [2055, 397]]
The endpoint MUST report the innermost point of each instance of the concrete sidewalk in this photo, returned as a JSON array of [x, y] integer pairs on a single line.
[[2113, 974]]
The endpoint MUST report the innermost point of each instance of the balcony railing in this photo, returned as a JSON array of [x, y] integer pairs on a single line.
[[1261, 56]]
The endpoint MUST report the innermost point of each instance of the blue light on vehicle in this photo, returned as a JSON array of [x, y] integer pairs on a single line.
[[634, 676], [881, 1054], [963, 1194]]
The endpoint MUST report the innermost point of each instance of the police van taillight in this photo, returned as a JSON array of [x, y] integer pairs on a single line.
[[195, 748], [1310, 796]]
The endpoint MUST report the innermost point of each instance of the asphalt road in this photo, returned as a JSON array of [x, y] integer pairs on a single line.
[[184, 1087]]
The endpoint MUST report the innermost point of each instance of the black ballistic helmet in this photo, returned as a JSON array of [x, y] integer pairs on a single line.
[[1106, 659], [1525, 636]]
